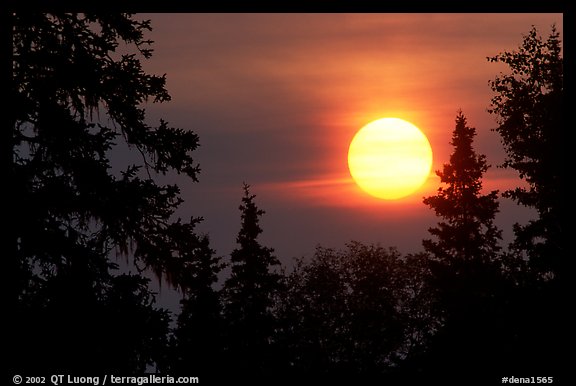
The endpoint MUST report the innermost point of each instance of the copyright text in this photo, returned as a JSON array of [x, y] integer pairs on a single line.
[[62, 379]]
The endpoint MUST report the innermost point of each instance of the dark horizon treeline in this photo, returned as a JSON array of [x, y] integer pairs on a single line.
[[466, 306]]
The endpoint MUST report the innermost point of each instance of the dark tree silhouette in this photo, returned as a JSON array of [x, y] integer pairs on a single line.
[[198, 338], [355, 314], [127, 315], [465, 263], [249, 295], [312, 311], [468, 232], [77, 88], [529, 108]]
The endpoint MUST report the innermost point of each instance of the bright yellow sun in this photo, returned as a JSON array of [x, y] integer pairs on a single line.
[[390, 158]]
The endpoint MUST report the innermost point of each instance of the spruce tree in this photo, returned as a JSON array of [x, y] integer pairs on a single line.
[[465, 261], [77, 89], [249, 294], [529, 108], [529, 105], [197, 343], [467, 233]]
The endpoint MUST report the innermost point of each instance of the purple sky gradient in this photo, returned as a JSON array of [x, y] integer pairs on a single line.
[[276, 98]]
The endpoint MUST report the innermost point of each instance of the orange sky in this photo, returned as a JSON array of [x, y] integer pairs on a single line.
[[276, 99]]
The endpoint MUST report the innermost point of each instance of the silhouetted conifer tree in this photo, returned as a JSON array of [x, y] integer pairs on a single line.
[[249, 295], [198, 338], [465, 261], [468, 233], [76, 89], [529, 105]]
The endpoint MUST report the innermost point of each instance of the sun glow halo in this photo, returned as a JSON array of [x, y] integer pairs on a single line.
[[389, 158]]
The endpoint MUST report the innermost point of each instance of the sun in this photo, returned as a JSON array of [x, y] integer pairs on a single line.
[[390, 158]]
